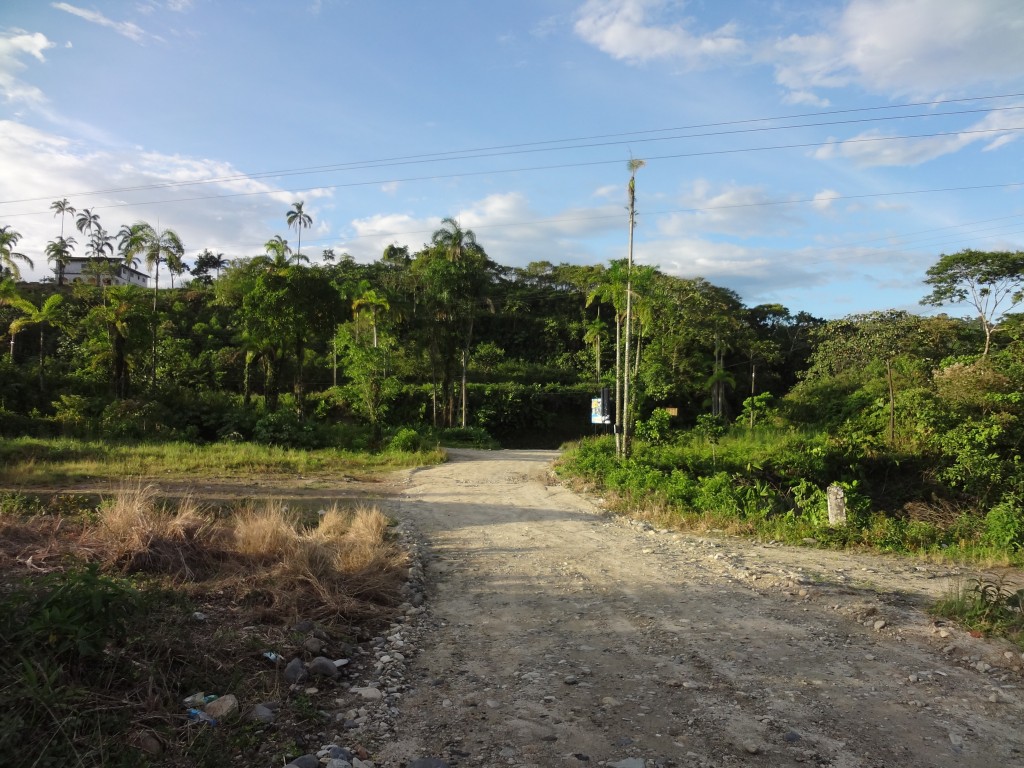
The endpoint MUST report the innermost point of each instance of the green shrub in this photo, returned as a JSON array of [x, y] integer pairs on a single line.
[[656, 429], [406, 439], [1004, 525], [717, 496], [810, 502]]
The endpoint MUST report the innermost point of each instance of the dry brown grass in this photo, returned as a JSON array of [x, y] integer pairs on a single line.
[[265, 532], [341, 566], [136, 533], [263, 557]]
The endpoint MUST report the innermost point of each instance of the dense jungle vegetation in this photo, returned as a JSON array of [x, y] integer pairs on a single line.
[[738, 417]]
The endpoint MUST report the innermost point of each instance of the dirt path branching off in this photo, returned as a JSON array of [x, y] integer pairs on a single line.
[[564, 636]]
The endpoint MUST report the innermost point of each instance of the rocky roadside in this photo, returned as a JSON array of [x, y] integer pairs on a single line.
[[356, 698], [362, 712]]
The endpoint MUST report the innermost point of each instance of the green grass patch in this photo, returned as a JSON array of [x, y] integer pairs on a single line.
[[34, 461], [988, 606]]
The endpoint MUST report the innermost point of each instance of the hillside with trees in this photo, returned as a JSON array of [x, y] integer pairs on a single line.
[[719, 409]]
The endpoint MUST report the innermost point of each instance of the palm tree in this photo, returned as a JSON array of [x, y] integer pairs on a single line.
[[279, 255], [454, 241], [175, 265], [50, 312], [59, 253], [372, 301], [101, 244], [156, 247], [8, 256], [124, 242], [460, 276], [299, 219], [87, 221], [62, 207], [9, 297], [219, 261]]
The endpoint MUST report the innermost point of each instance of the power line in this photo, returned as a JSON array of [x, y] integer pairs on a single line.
[[559, 166], [545, 146], [694, 210]]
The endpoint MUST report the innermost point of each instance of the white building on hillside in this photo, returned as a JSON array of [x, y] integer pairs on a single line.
[[110, 271]]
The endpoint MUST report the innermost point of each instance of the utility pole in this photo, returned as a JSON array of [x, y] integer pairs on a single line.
[[627, 411]]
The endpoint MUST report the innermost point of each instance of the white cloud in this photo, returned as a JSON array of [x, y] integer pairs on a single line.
[[806, 97], [125, 28], [733, 209], [235, 215], [823, 200], [629, 30], [874, 148], [13, 46], [510, 230], [907, 48]]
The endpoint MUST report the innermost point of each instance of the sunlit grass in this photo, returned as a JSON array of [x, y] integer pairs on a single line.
[[32, 461]]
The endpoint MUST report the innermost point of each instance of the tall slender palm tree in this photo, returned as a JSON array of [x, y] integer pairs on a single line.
[[62, 207], [101, 252], [8, 256], [87, 220], [58, 252], [155, 247], [370, 301], [101, 244], [298, 218]]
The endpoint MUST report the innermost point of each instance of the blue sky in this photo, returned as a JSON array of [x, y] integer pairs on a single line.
[[519, 118]]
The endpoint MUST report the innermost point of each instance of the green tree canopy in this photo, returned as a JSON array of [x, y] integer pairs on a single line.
[[992, 282]]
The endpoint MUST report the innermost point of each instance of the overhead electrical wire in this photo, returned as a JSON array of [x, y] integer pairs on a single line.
[[558, 166], [563, 144], [553, 145]]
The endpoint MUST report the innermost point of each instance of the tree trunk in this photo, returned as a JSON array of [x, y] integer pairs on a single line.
[[246, 388], [618, 385], [300, 383], [753, 376], [156, 288], [41, 340], [465, 356], [892, 402]]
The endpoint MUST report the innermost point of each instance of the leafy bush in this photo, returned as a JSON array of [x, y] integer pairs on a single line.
[[1004, 525], [406, 439], [656, 429], [133, 419]]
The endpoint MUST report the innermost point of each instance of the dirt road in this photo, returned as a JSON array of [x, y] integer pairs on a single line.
[[562, 636]]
